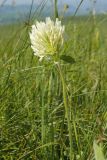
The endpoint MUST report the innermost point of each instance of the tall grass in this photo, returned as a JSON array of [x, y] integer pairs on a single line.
[[33, 123]]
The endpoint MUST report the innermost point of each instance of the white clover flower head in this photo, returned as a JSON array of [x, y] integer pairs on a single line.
[[47, 37]]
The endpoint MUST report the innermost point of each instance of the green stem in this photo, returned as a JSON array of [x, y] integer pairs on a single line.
[[55, 9], [43, 113], [67, 111], [51, 128]]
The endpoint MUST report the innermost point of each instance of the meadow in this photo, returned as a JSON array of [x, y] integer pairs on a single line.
[[33, 121]]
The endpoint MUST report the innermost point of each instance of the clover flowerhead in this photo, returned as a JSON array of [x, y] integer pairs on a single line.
[[47, 38]]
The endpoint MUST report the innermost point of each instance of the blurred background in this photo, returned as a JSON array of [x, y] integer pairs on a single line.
[[18, 10]]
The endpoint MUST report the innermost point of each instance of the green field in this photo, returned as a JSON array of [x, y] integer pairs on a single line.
[[33, 120]]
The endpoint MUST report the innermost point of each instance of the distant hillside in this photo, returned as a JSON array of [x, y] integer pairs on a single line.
[[9, 14]]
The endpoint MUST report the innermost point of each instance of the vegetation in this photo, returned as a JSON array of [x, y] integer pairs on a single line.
[[33, 123]]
